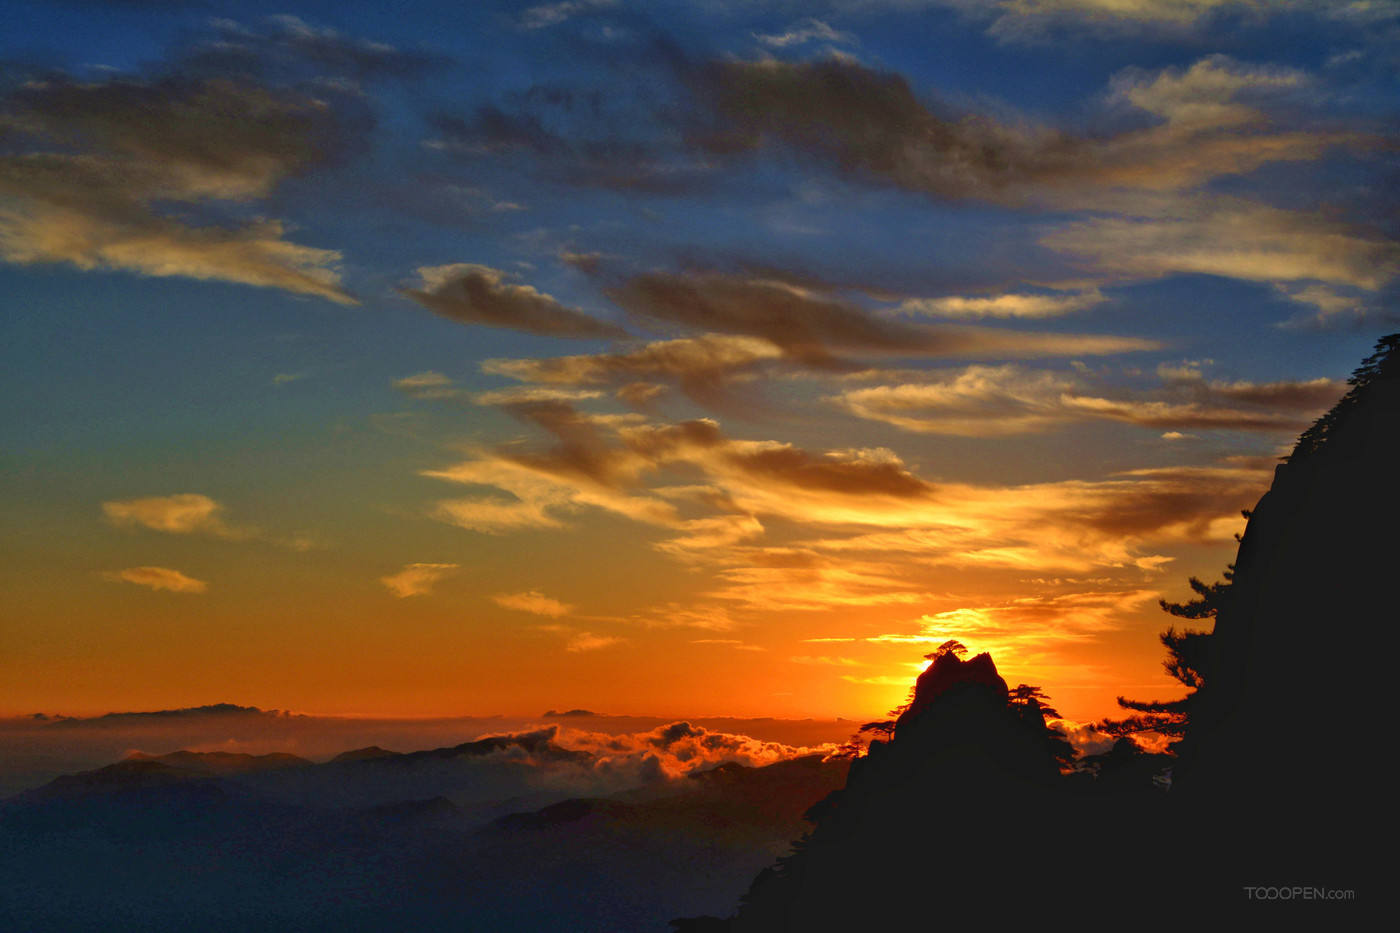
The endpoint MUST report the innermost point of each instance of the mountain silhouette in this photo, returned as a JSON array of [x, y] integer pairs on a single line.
[[1283, 754], [1276, 781], [926, 810], [447, 839]]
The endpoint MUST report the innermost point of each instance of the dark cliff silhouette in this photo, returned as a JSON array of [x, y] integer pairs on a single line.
[[1282, 758]]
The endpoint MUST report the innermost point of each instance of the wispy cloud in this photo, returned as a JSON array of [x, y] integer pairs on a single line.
[[1230, 237], [817, 328], [417, 579], [1028, 19], [427, 385], [88, 168], [158, 578], [544, 15], [192, 514], [533, 601], [475, 294], [576, 640], [873, 525], [804, 31], [981, 401], [1010, 305], [189, 513], [873, 125], [702, 367]]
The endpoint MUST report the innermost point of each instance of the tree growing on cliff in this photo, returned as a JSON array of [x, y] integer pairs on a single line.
[[1384, 361], [1190, 659], [1029, 704]]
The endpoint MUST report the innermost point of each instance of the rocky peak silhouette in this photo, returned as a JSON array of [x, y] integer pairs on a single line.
[[962, 760], [947, 672]]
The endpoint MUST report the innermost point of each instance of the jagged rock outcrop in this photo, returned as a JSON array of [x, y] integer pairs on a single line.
[[946, 672], [931, 806]]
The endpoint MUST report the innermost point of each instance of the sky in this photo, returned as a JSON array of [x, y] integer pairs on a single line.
[[713, 358]]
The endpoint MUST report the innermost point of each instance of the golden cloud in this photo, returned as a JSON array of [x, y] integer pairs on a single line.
[[97, 160], [158, 578], [980, 401], [189, 513], [417, 579], [533, 601], [1230, 237]]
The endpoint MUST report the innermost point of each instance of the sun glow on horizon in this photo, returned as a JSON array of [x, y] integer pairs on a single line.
[[696, 360]]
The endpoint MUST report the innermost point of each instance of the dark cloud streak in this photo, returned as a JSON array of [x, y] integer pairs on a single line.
[[473, 294]]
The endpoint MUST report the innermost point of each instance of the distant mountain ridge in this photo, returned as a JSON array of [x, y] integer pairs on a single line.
[[442, 839]]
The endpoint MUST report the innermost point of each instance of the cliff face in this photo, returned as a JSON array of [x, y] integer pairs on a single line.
[[1284, 740]]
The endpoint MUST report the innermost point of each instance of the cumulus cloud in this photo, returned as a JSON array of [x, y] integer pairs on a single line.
[[533, 601], [417, 579], [475, 294], [189, 513], [158, 578], [87, 171]]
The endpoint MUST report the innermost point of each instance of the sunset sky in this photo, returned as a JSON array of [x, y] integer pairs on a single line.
[[660, 358]]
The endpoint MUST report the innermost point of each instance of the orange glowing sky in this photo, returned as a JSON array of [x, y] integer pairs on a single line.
[[658, 359]]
